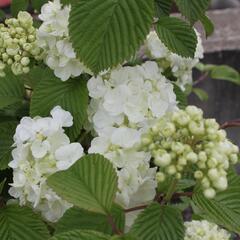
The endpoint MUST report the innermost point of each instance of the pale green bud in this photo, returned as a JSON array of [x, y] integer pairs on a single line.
[[205, 183], [25, 19], [177, 147], [5, 56], [163, 160], [213, 174], [178, 176], [194, 112], [198, 174], [202, 156], [25, 61], [192, 157], [209, 193], [27, 46], [168, 130], [9, 61], [160, 177], [17, 58], [2, 66], [26, 69], [221, 183], [196, 128], [221, 134], [171, 170], [234, 158], [12, 49], [182, 161], [31, 38], [212, 163]]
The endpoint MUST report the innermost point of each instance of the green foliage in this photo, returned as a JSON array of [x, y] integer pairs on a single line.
[[37, 4], [227, 73], [224, 209], [81, 235], [2, 15], [2, 183], [163, 7], [18, 5], [76, 218], [124, 237], [159, 222], [11, 90], [106, 33], [207, 24], [18, 223], [181, 96], [201, 94], [192, 9], [91, 184], [7, 130], [71, 95], [177, 35]]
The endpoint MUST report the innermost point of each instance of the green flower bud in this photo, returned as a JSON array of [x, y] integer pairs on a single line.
[[160, 177], [12, 49], [209, 193], [168, 130], [213, 174], [171, 170], [177, 147], [194, 112], [198, 174], [221, 183], [25, 61], [25, 19], [26, 69], [234, 158], [163, 160], [205, 183], [192, 157]]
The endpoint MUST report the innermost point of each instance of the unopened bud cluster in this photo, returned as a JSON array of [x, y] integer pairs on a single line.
[[18, 45], [183, 141]]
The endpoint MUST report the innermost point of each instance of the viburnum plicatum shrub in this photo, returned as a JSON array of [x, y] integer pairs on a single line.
[[97, 140]]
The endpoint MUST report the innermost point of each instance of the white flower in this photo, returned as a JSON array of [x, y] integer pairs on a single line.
[[130, 96], [204, 230], [53, 37], [181, 67], [41, 149]]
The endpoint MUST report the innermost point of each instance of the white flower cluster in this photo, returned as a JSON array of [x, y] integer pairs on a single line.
[[204, 230], [181, 67], [185, 139], [18, 47], [125, 102], [53, 37], [41, 149]]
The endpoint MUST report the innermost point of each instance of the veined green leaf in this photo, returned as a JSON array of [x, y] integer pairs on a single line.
[[163, 7], [159, 222], [20, 223], [76, 219], [177, 35], [106, 33], [192, 9], [91, 184], [71, 95], [181, 96], [207, 24], [2, 183], [202, 95], [7, 130]]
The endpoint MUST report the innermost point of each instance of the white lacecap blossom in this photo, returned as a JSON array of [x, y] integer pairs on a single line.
[[181, 67], [53, 37], [130, 96], [204, 230], [42, 148], [136, 181]]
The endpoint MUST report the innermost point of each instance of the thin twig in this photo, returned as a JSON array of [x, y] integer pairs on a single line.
[[202, 78], [113, 225], [229, 124]]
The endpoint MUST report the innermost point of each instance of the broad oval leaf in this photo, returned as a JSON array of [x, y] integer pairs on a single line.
[[20, 223], [81, 235], [91, 184], [192, 9], [71, 95], [7, 130], [76, 219], [163, 7], [159, 222], [224, 209], [106, 33], [177, 35]]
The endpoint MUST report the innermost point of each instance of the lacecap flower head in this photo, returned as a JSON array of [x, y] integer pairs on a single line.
[[204, 230], [42, 148]]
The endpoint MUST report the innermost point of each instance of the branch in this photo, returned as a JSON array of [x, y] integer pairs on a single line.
[[113, 225], [202, 78], [229, 124]]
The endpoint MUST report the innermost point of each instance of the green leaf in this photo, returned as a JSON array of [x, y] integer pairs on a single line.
[[124, 237], [37, 4], [76, 218], [204, 67], [185, 184], [7, 130], [71, 95], [81, 235], [2, 15], [192, 9], [91, 184], [159, 222], [11, 90], [207, 24], [2, 183], [177, 35], [227, 73], [181, 96], [163, 7], [224, 209], [202, 95], [18, 5], [18, 223], [106, 33]]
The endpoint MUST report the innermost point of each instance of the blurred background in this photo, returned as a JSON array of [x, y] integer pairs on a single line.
[[223, 48]]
